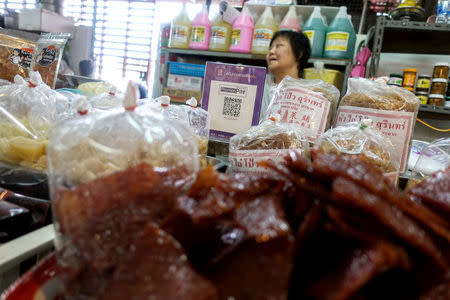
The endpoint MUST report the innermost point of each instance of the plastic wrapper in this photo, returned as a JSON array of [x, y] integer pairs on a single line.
[[199, 122], [16, 55], [365, 140], [270, 140], [106, 101], [393, 110], [48, 55], [28, 110], [162, 106], [308, 104], [433, 157], [95, 88]]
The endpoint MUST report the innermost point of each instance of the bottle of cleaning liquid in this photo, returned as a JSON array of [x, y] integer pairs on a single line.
[[200, 31], [264, 29], [290, 21], [180, 30], [220, 34], [340, 38], [315, 29], [241, 35]]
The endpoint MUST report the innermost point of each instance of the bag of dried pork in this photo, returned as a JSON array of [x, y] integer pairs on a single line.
[[393, 110], [365, 140], [309, 104], [270, 140]]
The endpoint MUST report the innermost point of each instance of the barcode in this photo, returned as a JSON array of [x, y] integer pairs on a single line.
[[232, 107]]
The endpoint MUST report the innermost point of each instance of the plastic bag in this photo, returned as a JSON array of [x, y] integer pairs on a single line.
[[48, 55], [28, 110], [270, 140], [434, 157], [365, 140], [199, 122], [393, 110], [97, 145], [309, 104], [162, 106], [106, 101]]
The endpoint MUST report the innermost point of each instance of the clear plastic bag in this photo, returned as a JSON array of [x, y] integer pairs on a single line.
[[309, 104], [199, 122], [433, 157], [270, 140], [162, 106], [393, 110], [106, 101], [365, 140], [28, 110]]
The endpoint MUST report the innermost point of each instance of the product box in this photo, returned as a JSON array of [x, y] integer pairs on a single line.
[[183, 82], [180, 96], [232, 94]]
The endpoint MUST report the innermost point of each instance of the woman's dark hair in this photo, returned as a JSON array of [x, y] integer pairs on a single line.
[[299, 44]]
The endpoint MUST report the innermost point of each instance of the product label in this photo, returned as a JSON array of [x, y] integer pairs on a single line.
[[337, 41], [262, 37], [395, 81], [303, 107], [423, 99], [198, 34], [423, 83], [235, 37], [395, 125], [310, 35], [219, 35], [179, 34], [247, 161], [47, 56], [21, 57]]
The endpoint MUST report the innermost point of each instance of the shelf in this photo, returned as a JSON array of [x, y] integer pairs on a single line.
[[260, 57], [416, 26], [435, 109]]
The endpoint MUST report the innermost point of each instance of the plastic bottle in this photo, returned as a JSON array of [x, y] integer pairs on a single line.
[[220, 34], [264, 29], [315, 29], [241, 35], [341, 38], [290, 21], [180, 30], [200, 31]]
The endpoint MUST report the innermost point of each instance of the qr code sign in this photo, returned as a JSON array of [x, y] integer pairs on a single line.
[[232, 107]]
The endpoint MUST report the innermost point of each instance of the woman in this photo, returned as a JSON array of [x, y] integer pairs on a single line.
[[288, 55]]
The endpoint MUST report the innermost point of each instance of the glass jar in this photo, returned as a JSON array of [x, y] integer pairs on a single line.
[[436, 99], [409, 78], [441, 70], [423, 83], [423, 97], [447, 102], [438, 86], [395, 79]]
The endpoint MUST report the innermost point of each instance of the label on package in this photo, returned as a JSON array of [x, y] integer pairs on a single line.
[[395, 125], [310, 35], [21, 57], [179, 34], [235, 36], [302, 107], [219, 35], [337, 41], [47, 56], [247, 161], [262, 37], [198, 34]]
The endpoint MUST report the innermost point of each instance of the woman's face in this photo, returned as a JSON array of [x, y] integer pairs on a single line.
[[281, 57]]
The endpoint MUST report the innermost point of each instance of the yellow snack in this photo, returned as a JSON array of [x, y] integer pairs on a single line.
[[26, 148]]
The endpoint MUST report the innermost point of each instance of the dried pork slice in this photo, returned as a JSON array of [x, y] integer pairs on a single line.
[[435, 191], [367, 176], [309, 225], [438, 292], [255, 271], [350, 194], [358, 269]]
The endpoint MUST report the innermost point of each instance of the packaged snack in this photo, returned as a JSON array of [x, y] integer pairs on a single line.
[[309, 104], [365, 140], [433, 157], [162, 106], [16, 55], [270, 140], [48, 56], [28, 110], [393, 110], [106, 101], [199, 122]]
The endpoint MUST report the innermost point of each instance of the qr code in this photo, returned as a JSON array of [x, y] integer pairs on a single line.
[[232, 107]]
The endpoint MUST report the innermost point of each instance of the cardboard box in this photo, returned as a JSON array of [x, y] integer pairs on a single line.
[[183, 82], [39, 19], [180, 96]]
